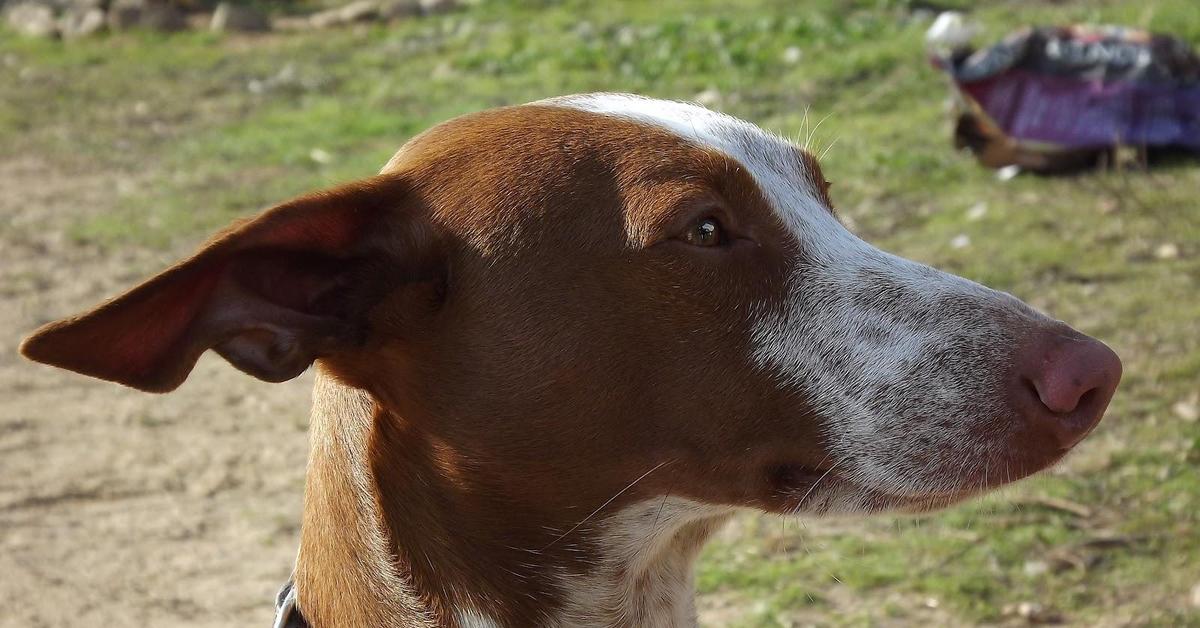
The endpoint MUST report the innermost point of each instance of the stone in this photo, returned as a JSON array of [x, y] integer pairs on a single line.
[[292, 23], [234, 17], [399, 9], [1008, 173], [1037, 613], [125, 14], [32, 20], [1166, 250], [320, 156], [438, 7], [1035, 568], [1187, 409], [360, 11], [160, 15], [81, 22]]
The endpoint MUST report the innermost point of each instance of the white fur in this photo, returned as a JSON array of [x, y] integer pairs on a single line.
[[471, 618], [900, 360], [644, 576]]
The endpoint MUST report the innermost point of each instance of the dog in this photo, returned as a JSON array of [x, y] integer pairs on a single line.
[[557, 345]]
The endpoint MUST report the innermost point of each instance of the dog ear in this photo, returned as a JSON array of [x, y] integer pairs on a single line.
[[271, 294]]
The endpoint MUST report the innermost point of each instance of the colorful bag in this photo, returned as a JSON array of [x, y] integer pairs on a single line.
[[1055, 98]]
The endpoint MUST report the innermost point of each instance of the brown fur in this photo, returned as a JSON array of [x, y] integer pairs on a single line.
[[539, 323], [492, 399], [526, 335]]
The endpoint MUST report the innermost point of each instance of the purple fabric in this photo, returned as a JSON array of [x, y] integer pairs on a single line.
[[1070, 112]]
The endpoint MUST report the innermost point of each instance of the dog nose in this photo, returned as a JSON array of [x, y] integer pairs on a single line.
[[1067, 380]]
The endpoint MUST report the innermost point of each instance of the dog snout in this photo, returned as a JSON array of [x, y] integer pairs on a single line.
[[1064, 381]]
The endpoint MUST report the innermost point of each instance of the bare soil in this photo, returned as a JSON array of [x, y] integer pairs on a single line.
[[119, 508]]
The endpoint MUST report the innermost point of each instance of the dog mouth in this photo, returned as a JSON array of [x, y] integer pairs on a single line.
[[799, 484], [938, 476], [790, 477], [831, 488]]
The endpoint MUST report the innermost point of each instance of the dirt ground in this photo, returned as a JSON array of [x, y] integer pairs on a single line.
[[119, 508]]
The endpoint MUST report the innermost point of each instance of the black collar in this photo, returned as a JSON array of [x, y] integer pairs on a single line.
[[287, 613]]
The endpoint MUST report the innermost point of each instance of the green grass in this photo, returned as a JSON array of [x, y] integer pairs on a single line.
[[179, 115]]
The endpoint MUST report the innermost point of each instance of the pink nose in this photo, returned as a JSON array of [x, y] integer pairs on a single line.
[[1067, 380]]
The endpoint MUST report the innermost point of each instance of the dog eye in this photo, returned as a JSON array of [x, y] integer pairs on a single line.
[[706, 232]]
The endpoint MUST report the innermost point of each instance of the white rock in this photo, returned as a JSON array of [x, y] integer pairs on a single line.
[[1035, 568], [292, 23], [1007, 173], [236, 17], [1166, 250], [398, 9], [1029, 610], [1187, 409], [32, 20], [320, 156], [360, 11], [157, 15], [951, 30], [82, 22]]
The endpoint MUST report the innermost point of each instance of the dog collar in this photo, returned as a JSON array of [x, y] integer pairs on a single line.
[[287, 613]]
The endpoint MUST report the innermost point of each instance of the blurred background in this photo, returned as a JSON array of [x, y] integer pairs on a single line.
[[130, 130]]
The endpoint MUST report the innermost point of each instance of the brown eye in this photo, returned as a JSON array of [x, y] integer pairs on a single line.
[[707, 232]]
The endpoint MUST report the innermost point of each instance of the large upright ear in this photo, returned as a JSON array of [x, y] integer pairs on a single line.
[[270, 294]]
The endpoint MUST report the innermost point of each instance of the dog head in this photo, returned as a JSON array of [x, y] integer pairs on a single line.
[[609, 295]]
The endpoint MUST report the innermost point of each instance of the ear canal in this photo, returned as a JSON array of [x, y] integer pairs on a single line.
[[275, 330], [272, 355], [270, 295]]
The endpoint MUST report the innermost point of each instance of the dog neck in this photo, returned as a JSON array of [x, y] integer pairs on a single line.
[[396, 531]]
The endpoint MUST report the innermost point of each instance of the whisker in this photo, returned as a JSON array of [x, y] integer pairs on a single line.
[[818, 483], [826, 149], [661, 505], [607, 502], [813, 131]]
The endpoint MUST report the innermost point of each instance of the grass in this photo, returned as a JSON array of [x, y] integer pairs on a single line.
[[209, 128]]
